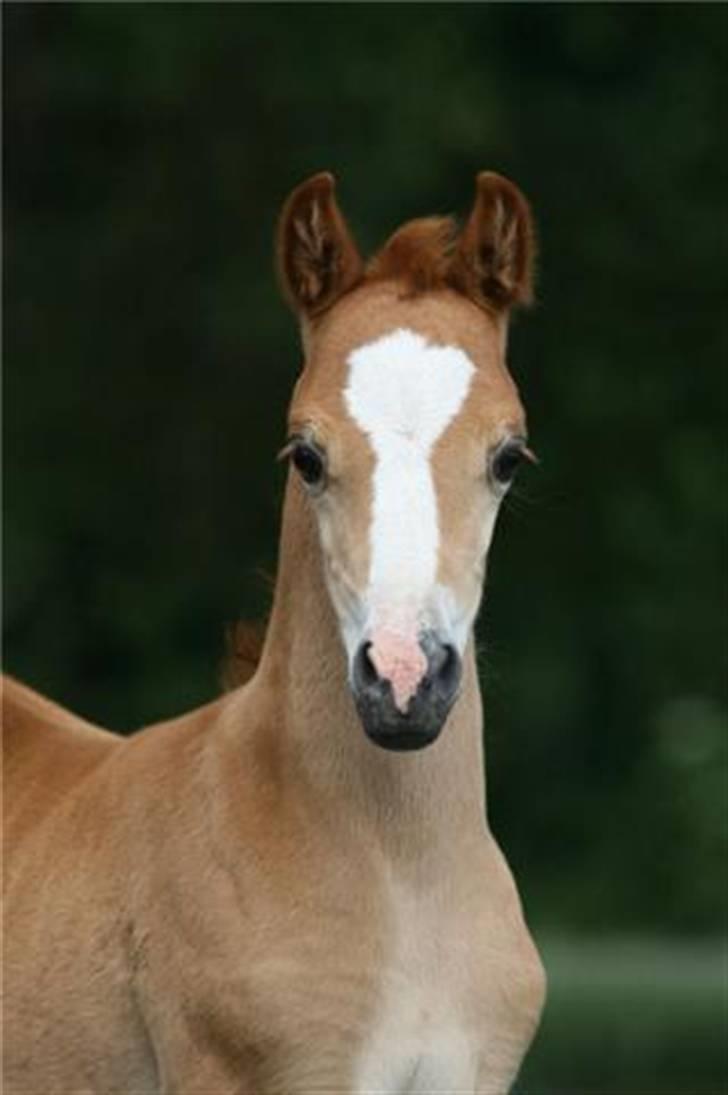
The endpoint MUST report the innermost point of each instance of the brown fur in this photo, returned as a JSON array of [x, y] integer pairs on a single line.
[[495, 255], [316, 256], [491, 261], [207, 907], [418, 256]]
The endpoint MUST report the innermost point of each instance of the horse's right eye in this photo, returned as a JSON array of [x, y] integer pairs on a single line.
[[308, 462]]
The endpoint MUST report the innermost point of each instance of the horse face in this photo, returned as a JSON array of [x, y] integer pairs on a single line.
[[405, 432]]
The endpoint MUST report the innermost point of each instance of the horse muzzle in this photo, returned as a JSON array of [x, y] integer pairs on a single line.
[[410, 718]]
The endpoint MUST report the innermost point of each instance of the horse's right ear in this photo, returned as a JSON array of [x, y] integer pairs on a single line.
[[317, 258]]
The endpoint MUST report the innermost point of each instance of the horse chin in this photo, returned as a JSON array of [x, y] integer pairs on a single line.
[[401, 741]]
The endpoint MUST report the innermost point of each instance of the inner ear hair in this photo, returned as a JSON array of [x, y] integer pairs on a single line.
[[317, 258], [494, 258]]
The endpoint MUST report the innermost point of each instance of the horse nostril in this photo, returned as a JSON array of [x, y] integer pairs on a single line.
[[366, 673], [449, 671], [443, 666]]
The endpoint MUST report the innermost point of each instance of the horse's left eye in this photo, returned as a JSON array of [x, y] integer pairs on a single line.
[[308, 462], [506, 460]]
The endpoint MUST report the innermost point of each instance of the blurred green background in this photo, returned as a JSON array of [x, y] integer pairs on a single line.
[[148, 362]]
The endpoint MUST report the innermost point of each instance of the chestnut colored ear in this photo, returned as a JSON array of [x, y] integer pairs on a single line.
[[317, 258], [493, 261]]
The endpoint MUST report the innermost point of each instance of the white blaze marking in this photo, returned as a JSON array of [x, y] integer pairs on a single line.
[[403, 392]]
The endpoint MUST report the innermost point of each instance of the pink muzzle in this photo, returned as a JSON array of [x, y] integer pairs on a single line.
[[399, 659]]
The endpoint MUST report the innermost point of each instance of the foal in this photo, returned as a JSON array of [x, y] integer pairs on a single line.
[[294, 890]]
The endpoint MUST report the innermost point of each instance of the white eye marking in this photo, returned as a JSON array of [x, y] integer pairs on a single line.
[[403, 392]]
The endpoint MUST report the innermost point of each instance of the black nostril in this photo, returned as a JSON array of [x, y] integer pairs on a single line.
[[449, 671], [365, 671], [443, 665]]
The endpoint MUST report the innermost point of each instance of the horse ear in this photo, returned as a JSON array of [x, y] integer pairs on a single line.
[[493, 261], [317, 258]]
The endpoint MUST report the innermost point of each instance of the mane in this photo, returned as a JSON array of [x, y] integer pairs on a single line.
[[418, 255], [243, 646]]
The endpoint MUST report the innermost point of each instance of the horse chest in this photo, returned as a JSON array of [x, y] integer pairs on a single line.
[[410, 992], [420, 1039], [417, 1046]]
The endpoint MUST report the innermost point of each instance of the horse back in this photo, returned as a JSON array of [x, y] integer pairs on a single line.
[[47, 753]]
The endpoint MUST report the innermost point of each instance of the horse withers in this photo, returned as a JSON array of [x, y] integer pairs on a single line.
[[295, 889]]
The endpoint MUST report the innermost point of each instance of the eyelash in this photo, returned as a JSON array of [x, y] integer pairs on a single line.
[[308, 460], [510, 454]]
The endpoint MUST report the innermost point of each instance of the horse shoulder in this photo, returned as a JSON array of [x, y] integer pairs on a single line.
[[46, 751]]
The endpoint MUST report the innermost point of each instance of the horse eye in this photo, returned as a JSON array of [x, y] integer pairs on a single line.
[[506, 461], [308, 462]]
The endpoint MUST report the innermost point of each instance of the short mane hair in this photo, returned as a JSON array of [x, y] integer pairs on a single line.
[[418, 255]]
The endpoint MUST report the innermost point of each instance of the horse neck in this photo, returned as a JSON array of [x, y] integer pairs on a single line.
[[414, 800]]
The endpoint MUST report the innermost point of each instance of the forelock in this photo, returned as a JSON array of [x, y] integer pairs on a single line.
[[418, 255]]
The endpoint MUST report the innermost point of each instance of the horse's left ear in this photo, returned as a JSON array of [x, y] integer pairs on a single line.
[[317, 258], [493, 260]]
